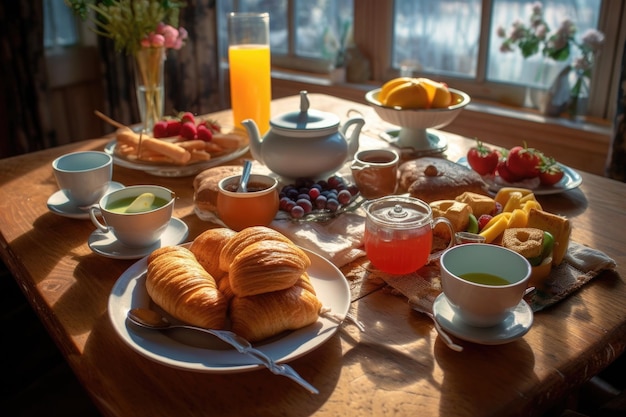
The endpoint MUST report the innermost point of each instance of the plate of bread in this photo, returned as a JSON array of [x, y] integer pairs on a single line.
[[255, 282], [174, 157]]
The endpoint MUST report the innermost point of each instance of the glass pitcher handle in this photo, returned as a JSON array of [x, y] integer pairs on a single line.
[[436, 221]]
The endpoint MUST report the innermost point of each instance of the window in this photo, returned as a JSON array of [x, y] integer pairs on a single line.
[[59, 24], [451, 40], [317, 44]]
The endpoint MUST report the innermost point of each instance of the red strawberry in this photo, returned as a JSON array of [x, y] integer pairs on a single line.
[[204, 133], [188, 117], [160, 129], [188, 131], [173, 127], [550, 171]]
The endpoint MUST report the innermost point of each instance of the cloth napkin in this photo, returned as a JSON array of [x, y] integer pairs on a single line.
[[339, 240]]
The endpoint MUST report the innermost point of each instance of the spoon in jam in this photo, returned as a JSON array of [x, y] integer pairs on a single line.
[[150, 319], [245, 176]]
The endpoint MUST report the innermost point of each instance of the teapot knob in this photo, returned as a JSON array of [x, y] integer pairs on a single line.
[[304, 101]]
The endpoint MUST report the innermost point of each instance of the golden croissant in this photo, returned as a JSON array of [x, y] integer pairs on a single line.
[[266, 266], [245, 238], [261, 316], [207, 248], [184, 289]]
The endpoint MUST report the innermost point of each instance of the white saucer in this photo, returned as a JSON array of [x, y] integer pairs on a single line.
[[58, 203], [514, 326], [107, 245]]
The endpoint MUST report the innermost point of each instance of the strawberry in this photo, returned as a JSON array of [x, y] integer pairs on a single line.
[[188, 117], [523, 161], [188, 131], [204, 133], [160, 129], [212, 125], [173, 127], [550, 171], [482, 159]]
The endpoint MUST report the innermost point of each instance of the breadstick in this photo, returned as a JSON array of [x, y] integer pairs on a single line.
[[191, 145], [175, 152], [199, 156], [125, 135], [227, 141]]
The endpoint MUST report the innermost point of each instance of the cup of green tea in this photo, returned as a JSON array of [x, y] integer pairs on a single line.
[[482, 282], [137, 215]]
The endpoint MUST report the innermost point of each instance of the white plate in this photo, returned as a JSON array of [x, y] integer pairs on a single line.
[[107, 245], [514, 326], [130, 291], [58, 203], [170, 170], [570, 180]]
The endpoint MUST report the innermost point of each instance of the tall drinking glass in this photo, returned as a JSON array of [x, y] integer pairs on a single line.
[[249, 59]]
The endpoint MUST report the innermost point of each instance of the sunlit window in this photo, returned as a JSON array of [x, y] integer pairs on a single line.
[[318, 42], [59, 24]]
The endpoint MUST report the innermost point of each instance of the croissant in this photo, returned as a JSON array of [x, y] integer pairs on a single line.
[[183, 288], [245, 238], [261, 316], [207, 248], [265, 266]]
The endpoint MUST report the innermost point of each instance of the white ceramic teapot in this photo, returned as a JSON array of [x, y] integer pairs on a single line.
[[305, 143]]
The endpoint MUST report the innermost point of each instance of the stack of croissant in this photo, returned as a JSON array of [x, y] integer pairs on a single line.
[[253, 281]]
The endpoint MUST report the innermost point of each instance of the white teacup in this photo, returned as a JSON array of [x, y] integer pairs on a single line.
[[483, 282], [83, 176], [134, 229]]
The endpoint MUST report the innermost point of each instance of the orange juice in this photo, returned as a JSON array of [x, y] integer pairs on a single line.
[[250, 84], [399, 251]]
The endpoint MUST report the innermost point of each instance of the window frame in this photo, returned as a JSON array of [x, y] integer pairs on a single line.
[[373, 28]]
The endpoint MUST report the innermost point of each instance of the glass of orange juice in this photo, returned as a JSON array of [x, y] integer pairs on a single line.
[[249, 62], [399, 234]]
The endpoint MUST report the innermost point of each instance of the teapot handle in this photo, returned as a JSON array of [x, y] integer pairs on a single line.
[[353, 140]]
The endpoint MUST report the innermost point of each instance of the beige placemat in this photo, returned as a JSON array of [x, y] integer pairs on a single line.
[[580, 265]]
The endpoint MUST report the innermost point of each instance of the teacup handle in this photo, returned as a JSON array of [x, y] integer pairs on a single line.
[[93, 212], [436, 221]]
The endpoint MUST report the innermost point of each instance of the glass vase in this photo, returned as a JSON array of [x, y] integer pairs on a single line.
[[149, 64]]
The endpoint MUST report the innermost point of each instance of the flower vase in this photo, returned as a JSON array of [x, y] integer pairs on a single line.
[[149, 64], [579, 95], [558, 95]]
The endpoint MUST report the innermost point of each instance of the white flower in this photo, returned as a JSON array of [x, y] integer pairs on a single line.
[[593, 39]]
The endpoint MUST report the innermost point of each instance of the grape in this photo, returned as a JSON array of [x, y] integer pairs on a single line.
[[305, 204], [332, 204], [344, 196], [297, 212], [314, 193], [320, 202]]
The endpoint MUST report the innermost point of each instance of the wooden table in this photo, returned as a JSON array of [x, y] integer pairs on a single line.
[[398, 367]]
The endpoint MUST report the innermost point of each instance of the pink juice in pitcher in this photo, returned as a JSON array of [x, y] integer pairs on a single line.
[[398, 251]]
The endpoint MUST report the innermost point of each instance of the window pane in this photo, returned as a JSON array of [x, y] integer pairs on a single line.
[[278, 20], [437, 37], [59, 24], [323, 28], [536, 70]]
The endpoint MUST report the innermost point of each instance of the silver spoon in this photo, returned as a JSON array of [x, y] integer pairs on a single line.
[[245, 176], [419, 305], [150, 319]]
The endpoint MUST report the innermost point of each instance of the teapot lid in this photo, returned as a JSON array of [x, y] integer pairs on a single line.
[[399, 212], [305, 119]]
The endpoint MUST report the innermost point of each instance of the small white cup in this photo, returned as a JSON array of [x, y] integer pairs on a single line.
[[134, 229], [483, 304], [83, 176]]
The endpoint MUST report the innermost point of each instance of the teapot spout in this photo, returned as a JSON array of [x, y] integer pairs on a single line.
[[353, 139], [254, 138]]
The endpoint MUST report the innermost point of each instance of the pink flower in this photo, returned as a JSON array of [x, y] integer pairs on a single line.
[[165, 36], [593, 39]]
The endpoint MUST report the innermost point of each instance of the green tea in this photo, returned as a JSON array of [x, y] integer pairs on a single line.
[[122, 204], [484, 278]]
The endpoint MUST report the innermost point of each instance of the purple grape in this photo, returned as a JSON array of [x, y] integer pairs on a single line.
[[344, 196], [297, 212], [332, 204], [305, 204], [320, 202]]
